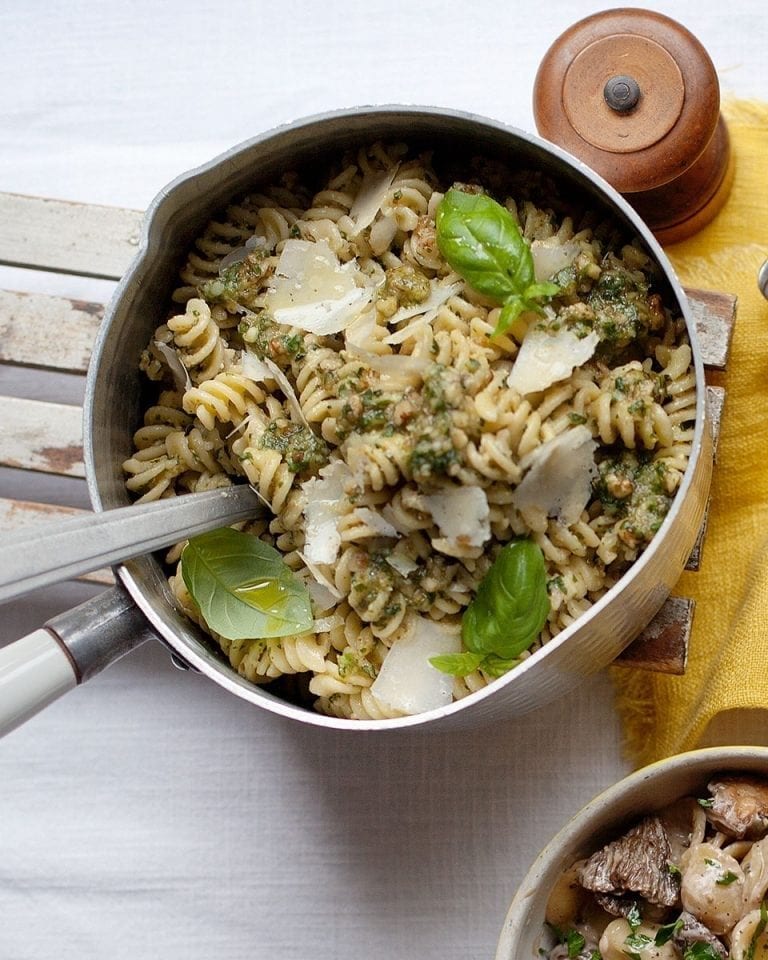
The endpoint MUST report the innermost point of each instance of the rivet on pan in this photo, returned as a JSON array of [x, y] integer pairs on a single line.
[[621, 93]]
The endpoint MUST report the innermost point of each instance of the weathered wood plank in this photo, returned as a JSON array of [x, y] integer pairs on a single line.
[[715, 401], [16, 515], [64, 237], [663, 646], [714, 315], [52, 333], [42, 436]]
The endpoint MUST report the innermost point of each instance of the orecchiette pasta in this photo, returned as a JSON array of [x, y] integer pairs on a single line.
[[681, 884], [326, 353]]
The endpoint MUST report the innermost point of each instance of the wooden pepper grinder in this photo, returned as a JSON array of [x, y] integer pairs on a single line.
[[634, 95]]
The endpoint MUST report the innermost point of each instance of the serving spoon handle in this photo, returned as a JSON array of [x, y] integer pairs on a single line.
[[69, 548]]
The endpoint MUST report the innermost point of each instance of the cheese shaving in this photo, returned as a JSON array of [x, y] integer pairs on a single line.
[[439, 293], [407, 680], [370, 197], [311, 290], [320, 580], [322, 537], [462, 515], [550, 256], [559, 479], [179, 372], [375, 521], [261, 370], [546, 357]]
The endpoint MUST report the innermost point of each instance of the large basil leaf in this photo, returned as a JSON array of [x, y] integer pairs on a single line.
[[511, 604], [482, 242], [243, 587], [509, 610]]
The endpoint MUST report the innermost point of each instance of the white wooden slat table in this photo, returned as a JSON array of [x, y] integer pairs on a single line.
[[100, 241]]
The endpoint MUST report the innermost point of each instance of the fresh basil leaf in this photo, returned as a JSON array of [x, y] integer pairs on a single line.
[[727, 879], [511, 604], [482, 242], [243, 587], [458, 664]]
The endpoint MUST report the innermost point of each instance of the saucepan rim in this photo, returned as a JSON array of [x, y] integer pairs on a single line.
[[220, 672]]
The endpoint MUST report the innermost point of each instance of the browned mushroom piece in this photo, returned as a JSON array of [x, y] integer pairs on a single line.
[[692, 931], [635, 865], [739, 807]]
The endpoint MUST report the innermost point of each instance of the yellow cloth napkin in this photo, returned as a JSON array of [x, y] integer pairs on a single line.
[[728, 658]]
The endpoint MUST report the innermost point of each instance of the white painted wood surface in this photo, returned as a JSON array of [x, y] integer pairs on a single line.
[[43, 436], [64, 237], [52, 333]]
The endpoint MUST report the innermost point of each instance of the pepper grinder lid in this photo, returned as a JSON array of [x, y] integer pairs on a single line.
[[635, 95]]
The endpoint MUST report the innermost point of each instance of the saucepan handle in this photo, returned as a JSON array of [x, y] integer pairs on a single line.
[[70, 649]]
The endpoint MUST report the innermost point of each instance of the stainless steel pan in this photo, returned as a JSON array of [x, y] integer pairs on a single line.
[[75, 646]]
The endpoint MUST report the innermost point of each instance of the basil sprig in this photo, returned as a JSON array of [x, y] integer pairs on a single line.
[[243, 587], [482, 242], [507, 614]]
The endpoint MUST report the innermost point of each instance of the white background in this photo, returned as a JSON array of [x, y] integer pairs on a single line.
[[150, 814]]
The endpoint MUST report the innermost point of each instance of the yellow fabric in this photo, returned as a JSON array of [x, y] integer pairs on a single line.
[[728, 665]]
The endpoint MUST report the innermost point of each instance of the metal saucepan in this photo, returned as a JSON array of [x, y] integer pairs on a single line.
[[78, 644]]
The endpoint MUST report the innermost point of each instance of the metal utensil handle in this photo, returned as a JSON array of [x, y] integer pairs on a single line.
[[55, 552]]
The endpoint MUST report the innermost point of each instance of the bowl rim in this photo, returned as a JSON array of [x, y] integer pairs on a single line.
[[730, 758]]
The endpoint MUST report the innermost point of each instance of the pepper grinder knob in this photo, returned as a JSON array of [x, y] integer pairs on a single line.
[[635, 95]]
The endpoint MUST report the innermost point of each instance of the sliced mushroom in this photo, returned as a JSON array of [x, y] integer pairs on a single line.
[[739, 807], [637, 863], [692, 931]]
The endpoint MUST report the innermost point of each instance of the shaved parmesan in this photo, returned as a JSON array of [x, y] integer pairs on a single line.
[[407, 680], [375, 521], [559, 479], [260, 370], [321, 588], [550, 256], [401, 562], [546, 357], [370, 197], [462, 515], [179, 372], [324, 624], [439, 293], [311, 290], [322, 537]]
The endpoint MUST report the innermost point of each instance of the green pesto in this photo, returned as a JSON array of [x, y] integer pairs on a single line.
[[624, 311], [634, 488], [301, 448], [270, 340], [406, 284], [238, 283]]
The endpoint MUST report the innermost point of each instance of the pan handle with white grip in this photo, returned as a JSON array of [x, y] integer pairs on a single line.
[[70, 649]]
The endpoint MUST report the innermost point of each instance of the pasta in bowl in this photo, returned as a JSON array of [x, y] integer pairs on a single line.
[[463, 400], [669, 864]]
